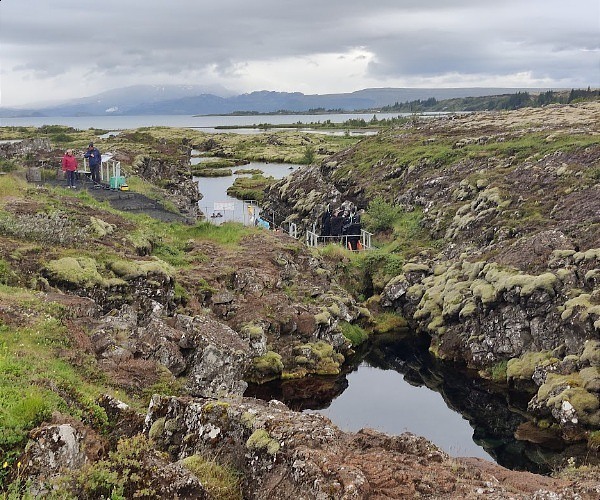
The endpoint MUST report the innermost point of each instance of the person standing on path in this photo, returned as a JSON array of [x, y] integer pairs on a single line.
[[69, 166], [95, 159]]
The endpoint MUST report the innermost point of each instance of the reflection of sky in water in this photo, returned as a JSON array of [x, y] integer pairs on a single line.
[[383, 400], [214, 190]]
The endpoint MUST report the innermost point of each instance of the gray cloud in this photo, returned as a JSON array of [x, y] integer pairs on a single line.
[[71, 48]]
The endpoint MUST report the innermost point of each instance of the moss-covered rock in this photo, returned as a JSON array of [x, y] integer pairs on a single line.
[[100, 227], [76, 271], [268, 366], [523, 368], [132, 269], [591, 353], [260, 440], [321, 358]]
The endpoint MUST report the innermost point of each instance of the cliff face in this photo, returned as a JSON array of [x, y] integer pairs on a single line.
[[508, 282]]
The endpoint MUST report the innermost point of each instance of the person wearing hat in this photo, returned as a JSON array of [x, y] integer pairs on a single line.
[[69, 167], [95, 159]]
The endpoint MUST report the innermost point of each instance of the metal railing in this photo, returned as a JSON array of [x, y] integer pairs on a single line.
[[108, 168], [362, 243]]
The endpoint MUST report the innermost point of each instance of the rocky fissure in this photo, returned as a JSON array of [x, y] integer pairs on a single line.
[[508, 286]]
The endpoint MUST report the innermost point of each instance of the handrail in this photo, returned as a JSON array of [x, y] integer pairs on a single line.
[[315, 240], [108, 168]]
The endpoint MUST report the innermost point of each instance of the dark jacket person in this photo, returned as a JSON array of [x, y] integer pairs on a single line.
[[95, 159]]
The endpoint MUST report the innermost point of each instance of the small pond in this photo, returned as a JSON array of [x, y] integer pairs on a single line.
[[396, 386], [214, 191]]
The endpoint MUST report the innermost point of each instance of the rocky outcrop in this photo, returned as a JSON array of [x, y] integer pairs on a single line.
[[174, 176], [509, 204], [484, 314], [277, 454], [63, 458], [283, 454], [211, 357], [11, 149], [303, 196]]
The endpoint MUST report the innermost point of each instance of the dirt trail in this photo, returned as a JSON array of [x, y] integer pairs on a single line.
[[127, 201]]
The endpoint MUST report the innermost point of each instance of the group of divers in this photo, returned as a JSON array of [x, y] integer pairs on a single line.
[[342, 225]]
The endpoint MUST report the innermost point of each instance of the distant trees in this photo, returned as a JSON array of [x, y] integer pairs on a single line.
[[583, 95], [491, 103]]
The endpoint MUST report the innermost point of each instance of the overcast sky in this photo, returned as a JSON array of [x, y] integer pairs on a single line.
[[64, 49]]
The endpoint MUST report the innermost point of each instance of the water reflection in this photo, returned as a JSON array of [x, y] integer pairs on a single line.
[[397, 386]]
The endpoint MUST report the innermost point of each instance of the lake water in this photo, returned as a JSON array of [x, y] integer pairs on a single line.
[[390, 388], [205, 123], [384, 400]]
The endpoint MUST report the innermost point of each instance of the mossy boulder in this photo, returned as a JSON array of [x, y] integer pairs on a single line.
[[132, 269], [75, 271], [267, 367], [319, 358], [523, 368]]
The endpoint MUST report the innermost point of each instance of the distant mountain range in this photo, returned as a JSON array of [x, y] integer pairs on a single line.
[[194, 100]]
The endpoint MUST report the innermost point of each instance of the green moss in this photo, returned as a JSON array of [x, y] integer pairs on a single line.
[[248, 418], [556, 383], [522, 368], [268, 364], [593, 442], [354, 333], [585, 404], [472, 269], [322, 318], [157, 429], [545, 282], [100, 227], [218, 406], [562, 254], [334, 310], [411, 267], [504, 280], [591, 353], [222, 482], [212, 172], [322, 357], [389, 322], [584, 306], [132, 269], [415, 292], [499, 371], [483, 291], [430, 307], [592, 253], [468, 309], [251, 188], [80, 271], [591, 378], [253, 332], [454, 296], [260, 440], [142, 242]]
